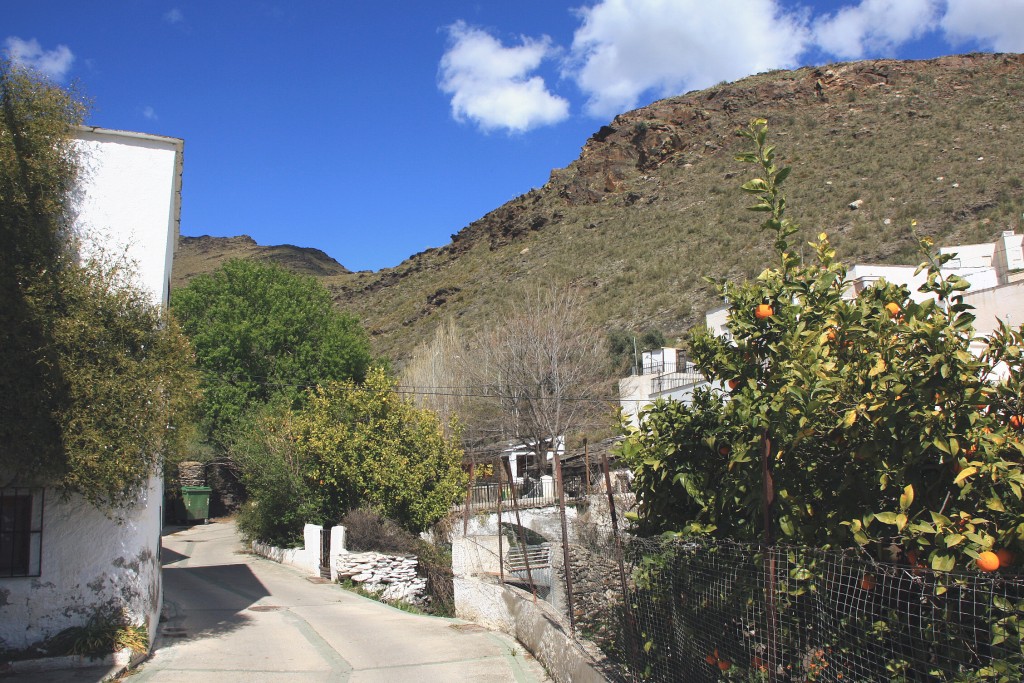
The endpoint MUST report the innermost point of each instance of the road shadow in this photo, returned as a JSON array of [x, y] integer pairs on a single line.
[[206, 602], [168, 556]]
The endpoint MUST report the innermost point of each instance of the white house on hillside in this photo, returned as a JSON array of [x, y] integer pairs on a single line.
[[995, 271], [65, 558]]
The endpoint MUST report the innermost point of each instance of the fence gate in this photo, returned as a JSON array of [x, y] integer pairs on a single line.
[[325, 553]]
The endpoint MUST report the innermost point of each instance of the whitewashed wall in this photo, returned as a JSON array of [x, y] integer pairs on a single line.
[[132, 185], [129, 206]]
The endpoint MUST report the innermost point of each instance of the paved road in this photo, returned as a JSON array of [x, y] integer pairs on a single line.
[[231, 616]]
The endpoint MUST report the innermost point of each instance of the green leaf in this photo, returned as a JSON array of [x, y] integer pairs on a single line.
[[907, 498], [786, 525], [943, 562], [964, 473], [954, 540], [886, 517]]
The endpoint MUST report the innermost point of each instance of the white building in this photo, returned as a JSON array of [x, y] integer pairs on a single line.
[[665, 374], [995, 271], [65, 558]]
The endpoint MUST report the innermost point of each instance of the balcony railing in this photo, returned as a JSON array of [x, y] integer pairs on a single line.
[[530, 493], [674, 380]]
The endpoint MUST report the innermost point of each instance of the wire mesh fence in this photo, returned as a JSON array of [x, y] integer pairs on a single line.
[[713, 611]]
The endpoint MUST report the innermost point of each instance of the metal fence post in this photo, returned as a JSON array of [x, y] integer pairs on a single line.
[[565, 544], [627, 608], [768, 498], [501, 553]]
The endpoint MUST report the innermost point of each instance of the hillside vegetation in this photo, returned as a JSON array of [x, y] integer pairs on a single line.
[[651, 206]]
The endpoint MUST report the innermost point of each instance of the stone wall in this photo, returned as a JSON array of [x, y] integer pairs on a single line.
[[191, 473], [391, 577], [597, 590]]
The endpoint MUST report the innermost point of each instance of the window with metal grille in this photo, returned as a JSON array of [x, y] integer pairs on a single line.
[[21, 532]]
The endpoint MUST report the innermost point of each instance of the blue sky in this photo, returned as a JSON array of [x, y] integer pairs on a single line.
[[374, 130]]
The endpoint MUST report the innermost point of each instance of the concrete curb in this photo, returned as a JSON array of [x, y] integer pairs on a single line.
[[117, 664]]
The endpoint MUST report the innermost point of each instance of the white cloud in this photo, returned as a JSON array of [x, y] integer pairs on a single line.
[[875, 26], [174, 16], [149, 113], [53, 63], [998, 24], [625, 48], [491, 85]]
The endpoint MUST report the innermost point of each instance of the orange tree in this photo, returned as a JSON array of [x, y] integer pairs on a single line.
[[876, 419], [830, 421]]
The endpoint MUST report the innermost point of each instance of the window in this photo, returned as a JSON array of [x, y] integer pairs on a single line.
[[21, 532]]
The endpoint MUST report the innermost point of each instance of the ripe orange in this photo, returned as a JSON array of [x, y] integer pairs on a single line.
[[915, 560], [763, 311], [724, 450], [988, 561], [733, 383], [1017, 421], [831, 334], [711, 660], [867, 582], [1005, 557], [893, 308], [724, 664]]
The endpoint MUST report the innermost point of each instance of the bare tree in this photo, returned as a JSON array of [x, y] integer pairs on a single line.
[[540, 369], [433, 374]]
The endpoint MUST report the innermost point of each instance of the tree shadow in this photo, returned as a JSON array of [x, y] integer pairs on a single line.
[[208, 602]]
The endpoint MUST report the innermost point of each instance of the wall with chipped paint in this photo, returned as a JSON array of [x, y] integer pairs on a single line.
[[128, 207], [88, 560]]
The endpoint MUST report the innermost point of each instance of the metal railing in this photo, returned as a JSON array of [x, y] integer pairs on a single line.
[[539, 557], [674, 380], [531, 493]]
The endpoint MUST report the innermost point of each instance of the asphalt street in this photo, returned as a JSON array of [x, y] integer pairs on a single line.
[[232, 616]]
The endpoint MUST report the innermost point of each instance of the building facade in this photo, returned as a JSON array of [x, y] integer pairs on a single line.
[[65, 559]]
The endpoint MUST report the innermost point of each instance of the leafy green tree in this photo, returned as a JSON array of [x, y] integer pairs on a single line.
[[370, 447], [130, 383], [38, 171], [841, 420], [275, 472], [349, 446], [96, 385], [835, 421], [260, 332]]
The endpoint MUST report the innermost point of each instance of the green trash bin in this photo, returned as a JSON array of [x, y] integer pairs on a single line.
[[197, 502]]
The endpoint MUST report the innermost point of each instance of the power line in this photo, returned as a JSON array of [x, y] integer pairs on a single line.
[[458, 391]]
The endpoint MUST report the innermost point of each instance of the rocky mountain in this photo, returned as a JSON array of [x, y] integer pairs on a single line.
[[651, 207], [198, 255]]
